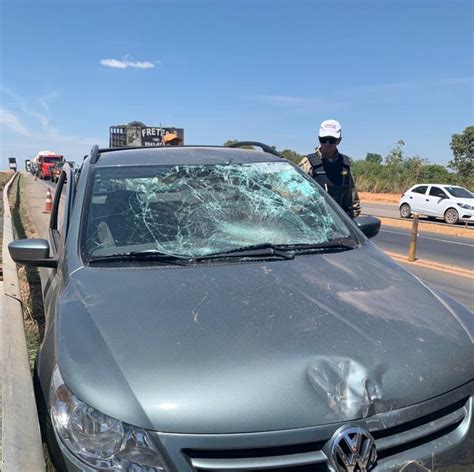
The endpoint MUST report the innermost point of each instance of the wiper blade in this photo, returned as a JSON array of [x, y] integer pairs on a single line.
[[256, 250], [338, 243], [285, 251], [147, 255]]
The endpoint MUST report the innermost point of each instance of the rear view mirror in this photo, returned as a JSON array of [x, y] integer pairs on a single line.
[[32, 252], [369, 225]]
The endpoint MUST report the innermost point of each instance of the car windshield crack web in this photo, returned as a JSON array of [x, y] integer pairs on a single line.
[[199, 210]]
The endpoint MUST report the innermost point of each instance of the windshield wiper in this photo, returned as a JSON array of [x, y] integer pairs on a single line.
[[338, 243], [148, 255], [264, 250], [284, 251]]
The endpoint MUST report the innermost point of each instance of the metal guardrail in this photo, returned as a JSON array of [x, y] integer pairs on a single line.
[[21, 438]]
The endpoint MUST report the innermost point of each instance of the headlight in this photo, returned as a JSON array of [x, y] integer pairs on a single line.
[[98, 440], [465, 206]]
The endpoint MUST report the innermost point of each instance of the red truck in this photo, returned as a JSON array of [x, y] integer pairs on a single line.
[[44, 162]]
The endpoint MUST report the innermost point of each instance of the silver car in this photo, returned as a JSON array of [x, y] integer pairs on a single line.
[[212, 309]]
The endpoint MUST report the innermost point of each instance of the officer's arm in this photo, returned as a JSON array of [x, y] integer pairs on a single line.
[[356, 207], [305, 165]]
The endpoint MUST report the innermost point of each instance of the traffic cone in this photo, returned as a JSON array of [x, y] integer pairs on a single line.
[[49, 202]]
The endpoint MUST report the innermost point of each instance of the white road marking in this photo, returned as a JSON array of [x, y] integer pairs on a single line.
[[427, 237]]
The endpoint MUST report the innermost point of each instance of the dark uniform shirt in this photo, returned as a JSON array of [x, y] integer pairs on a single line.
[[333, 170], [336, 178]]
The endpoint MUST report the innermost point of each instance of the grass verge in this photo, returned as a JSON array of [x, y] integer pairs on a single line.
[[30, 285], [4, 178]]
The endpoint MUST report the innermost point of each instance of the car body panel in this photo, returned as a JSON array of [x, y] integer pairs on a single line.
[[435, 206], [415, 200], [251, 353], [221, 348]]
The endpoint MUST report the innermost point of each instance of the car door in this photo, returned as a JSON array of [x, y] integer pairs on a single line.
[[59, 222], [416, 198], [435, 201]]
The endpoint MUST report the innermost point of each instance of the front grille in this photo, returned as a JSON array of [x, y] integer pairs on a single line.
[[304, 468], [406, 437]]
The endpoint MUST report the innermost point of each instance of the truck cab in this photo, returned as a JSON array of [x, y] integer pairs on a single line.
[[45, 162]]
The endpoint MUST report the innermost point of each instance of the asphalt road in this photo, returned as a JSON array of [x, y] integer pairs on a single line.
[[458, 288], [389, 210], [444, 249]]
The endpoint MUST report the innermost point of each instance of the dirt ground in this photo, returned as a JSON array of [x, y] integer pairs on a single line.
[[379, 197]]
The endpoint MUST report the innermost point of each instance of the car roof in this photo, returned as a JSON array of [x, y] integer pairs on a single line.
[[437, 185], [181, 155]]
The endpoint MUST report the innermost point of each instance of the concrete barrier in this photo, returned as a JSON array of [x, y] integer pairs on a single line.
[[21, 438]]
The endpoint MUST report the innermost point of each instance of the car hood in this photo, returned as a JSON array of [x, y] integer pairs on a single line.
[[256, 346]]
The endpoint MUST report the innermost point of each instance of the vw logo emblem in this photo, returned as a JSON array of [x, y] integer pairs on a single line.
[[352, 449]]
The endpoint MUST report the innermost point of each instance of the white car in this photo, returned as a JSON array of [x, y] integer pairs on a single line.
[[450, 202]]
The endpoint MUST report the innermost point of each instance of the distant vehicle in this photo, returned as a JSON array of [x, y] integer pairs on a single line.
[[213, 309], [12, 163], [449, 202], [28, 165], [137, 134], [44, 162], [56, 170]]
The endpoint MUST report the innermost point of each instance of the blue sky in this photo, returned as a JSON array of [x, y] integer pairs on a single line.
[[260, 70]]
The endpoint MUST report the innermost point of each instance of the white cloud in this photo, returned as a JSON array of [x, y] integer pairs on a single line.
[[13, 123], [412, 84], [45, 99], [25, 130], [458, 80], [21, 104], [285, 100], [294, 102], [114, 63]]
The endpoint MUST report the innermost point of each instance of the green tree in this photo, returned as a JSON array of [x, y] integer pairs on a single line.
[[291, 155], [395, 157], [414, 167], [375, 158], [462, 146], [436, 174], [233, 141], [229, 142]]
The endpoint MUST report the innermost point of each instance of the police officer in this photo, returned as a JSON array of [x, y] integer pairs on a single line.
[[331, 169]]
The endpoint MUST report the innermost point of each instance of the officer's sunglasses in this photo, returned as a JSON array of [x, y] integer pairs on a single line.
[[328, 139]]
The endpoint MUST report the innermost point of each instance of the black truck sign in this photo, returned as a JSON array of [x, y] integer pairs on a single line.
[[138, 134], [152, 136]]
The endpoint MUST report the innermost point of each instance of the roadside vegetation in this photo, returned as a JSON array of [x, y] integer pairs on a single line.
[[30, 284], [4, 178], [396, 172]]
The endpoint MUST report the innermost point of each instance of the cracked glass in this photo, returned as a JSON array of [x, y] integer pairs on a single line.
[[195, 210]]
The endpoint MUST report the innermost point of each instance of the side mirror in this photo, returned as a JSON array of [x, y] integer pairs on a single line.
[[369, 225], [32, 252]]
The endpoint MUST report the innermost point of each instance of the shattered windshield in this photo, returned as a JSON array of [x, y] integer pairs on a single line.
[[194, 210]]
